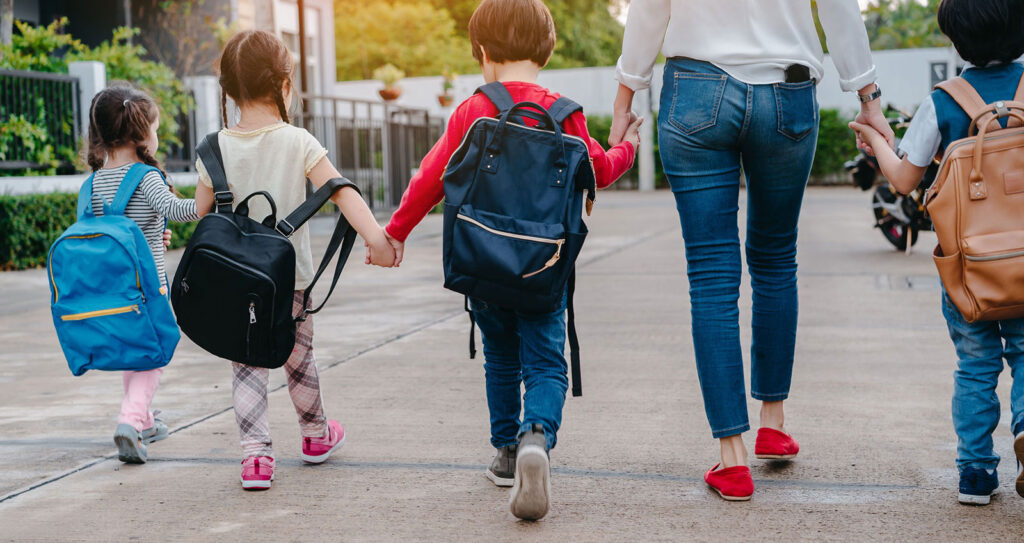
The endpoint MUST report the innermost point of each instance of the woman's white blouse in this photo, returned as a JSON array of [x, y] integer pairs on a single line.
[[752, 40]]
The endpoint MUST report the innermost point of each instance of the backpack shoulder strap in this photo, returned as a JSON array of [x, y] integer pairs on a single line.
[[562, 109], [129, 184], [85, 198], [213, 161], [343, 239], [965, 96], [498, 95]]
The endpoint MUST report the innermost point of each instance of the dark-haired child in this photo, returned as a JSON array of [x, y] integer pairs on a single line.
[[262, 152], [122, 132], [512, 40], [989, 35]]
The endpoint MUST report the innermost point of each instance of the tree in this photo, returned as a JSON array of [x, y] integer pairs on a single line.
[[374, 32], [416, 37], [186, 35], [903, 24]]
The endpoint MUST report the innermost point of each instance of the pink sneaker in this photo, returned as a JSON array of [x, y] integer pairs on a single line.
[[316, 450], [257, 472]]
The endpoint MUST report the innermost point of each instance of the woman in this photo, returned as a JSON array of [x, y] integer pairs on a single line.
[[739, 96]]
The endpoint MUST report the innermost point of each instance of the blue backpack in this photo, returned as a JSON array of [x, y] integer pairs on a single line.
[[108, 306], [513, 211]]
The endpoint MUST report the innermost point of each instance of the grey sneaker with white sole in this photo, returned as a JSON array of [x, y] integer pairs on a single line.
[[130, 448], [156, 432], [503, 468], [531, 486]]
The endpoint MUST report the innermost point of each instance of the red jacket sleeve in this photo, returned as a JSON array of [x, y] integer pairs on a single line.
[[608, 165], [426, 189]]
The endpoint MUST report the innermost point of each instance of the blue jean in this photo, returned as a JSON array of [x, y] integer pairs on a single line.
[[981, 348], [712, 127], [523, 349]]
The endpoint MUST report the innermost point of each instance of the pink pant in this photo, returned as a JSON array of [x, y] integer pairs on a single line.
[[139, 389]]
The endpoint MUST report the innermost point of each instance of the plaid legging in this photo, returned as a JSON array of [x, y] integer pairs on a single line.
[[249, 392]]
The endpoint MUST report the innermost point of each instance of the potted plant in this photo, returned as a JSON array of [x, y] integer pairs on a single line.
[[389, 75], [447, 85]]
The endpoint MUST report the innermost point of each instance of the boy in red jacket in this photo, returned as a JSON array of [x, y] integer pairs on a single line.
[[513, 40]]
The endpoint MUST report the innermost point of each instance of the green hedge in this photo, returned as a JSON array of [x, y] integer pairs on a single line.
[[836, 145], [30, 223]]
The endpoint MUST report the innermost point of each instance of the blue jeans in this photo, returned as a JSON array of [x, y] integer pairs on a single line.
[[981, 348], [712, 127], [523, 349]]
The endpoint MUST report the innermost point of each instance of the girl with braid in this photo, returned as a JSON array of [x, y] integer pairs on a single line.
[[262, 152], [122, 132]]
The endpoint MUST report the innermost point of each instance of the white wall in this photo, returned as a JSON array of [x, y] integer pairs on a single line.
[[904, 75]]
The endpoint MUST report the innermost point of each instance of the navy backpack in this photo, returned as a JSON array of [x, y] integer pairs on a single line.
[[108, 307], [513, 211]]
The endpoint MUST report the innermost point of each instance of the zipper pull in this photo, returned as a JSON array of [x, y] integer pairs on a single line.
[[184, 286], [252, 312], [135, 308]]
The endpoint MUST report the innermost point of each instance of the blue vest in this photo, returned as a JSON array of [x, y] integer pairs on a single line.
[[994, 83]]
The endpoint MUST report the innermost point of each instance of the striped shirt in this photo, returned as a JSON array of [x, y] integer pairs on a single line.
[[148, 207]]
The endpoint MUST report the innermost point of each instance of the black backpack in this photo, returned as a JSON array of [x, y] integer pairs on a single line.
[[235, 284]]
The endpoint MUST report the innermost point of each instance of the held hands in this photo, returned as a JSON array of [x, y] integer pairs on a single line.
[[868, 137], [380, 251], [622, 123], [871, 116]]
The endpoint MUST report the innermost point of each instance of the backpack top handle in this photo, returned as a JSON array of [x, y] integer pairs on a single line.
[[493, 148]]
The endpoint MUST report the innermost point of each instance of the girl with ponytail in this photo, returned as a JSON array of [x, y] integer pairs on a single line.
[[262, 152], [122, 133]]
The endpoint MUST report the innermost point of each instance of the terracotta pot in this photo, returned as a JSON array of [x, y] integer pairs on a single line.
[[390, 93], [445, 99]]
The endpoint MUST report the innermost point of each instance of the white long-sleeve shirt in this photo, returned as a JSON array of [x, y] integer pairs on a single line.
[[751, 40]]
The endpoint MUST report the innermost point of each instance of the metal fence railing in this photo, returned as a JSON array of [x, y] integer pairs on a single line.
[[182, 158], [47, 100], [376, 145]]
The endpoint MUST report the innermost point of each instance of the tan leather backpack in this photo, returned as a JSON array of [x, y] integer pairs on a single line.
[[977, 207]]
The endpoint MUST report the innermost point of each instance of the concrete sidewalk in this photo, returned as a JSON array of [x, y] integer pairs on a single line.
[[870, 406]]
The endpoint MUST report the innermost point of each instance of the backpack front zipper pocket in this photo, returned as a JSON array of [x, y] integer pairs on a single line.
[[522, 237], [101, 313]]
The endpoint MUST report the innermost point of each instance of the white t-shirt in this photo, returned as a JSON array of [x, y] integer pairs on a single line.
[[276, 158], [751, 40]]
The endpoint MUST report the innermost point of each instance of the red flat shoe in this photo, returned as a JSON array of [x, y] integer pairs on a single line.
[[733, 484], [773, 444]]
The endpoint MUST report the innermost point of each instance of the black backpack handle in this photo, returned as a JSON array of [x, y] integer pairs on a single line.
[[243, 208]]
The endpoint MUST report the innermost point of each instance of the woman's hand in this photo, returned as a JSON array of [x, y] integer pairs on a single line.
[[633, 131], [623, 116], [871, 115]]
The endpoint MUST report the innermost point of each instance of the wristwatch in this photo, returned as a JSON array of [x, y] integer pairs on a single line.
[[865, 98]]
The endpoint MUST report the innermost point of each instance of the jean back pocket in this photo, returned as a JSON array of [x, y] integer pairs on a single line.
[[696, 99], [797, 109]]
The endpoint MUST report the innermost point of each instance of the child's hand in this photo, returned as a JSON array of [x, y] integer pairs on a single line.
[[167, 238], [399, 247], [871, 137], [379, 250], [633, 130]]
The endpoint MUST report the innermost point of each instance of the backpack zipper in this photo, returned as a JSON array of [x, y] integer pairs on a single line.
[[556, 242], [1005, 256], [248, 331], [101, 313]]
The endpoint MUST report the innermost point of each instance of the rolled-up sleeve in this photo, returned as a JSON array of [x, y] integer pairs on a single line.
[[645, 31], [847, 42]]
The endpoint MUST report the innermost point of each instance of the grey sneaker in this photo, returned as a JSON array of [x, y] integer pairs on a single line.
[[531, 485], [503, 467], [156, 432], [130, 448]]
